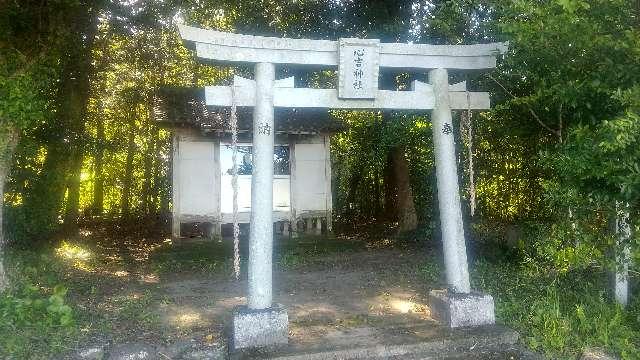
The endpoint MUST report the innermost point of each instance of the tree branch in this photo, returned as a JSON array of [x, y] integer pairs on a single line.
[[557, 133]]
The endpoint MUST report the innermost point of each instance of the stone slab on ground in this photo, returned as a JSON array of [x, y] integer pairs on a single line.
[[459, 310], [596, 354], [194, 349], [90, 353], [255, 328], [133, 351], [415, 341]]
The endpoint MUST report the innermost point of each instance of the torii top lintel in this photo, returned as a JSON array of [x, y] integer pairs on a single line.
[[229, 47]]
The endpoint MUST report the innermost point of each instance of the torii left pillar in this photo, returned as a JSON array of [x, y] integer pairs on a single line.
[[261, 322]]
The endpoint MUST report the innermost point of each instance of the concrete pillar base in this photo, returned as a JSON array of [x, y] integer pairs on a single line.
[[259, 328], [460, 310]]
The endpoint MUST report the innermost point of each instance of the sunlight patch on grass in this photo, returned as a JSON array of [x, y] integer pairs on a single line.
[[407, 306], [73, 252], [76, 255], [397, 302], [187, 319]]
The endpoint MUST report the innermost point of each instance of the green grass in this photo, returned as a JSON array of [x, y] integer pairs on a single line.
[[308, 249], [36, 319], [560, 315], [191, 257]]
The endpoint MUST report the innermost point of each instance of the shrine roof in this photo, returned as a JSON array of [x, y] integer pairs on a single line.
[[185, 107]]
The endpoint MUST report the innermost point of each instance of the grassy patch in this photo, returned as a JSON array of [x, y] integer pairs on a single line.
[[308, 249], [560, 315], [36, 318], [191, 257]]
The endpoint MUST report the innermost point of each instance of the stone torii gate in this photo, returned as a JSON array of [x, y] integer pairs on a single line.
[[261, 322]]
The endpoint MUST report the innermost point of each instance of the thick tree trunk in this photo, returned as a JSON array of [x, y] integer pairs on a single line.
[[64, 150], [73, 98], [8, 142], [407, 216]]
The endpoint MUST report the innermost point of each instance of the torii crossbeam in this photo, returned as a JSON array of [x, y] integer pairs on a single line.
[[263, 323]]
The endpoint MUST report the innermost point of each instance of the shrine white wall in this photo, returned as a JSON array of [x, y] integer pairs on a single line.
[[195, 181], [311, 177], [202, 192]]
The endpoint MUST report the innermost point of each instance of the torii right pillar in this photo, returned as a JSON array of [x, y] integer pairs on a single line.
[[456, 306]]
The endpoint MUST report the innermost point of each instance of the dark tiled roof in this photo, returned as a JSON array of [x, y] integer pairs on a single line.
[[177, 107]]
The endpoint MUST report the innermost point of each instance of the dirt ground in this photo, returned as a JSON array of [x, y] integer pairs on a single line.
[[161, 291], [339, 290]]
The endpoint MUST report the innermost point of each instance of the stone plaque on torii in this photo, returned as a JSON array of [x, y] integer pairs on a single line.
[[261, 322]]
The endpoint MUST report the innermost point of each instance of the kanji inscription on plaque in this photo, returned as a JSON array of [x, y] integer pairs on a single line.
[[358, 68]]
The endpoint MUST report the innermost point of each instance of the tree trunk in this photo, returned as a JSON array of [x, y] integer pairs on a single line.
[[379, 194], [147, 200], [8, 142], [125, 204], [390, 190], [73, 99], [64, 150], [98, 181], [156, 173], [407, 216], [72, 211], [146, 185]]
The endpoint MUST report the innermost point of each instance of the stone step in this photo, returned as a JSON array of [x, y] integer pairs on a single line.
[[490, 342]]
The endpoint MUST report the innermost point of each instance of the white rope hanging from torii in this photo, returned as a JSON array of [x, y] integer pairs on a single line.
[[233, 122], [472, 185]]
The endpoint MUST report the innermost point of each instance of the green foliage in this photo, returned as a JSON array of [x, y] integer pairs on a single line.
[[603, 160], [597, 168], [559, 314], [36, 319], [21, 101], [360, 159]]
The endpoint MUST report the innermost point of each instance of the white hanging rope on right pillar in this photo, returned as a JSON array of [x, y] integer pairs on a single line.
[[234, 184], [472, 185]]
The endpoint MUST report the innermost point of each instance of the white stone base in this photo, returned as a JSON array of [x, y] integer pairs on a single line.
[[459, 310], [259, 328]]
